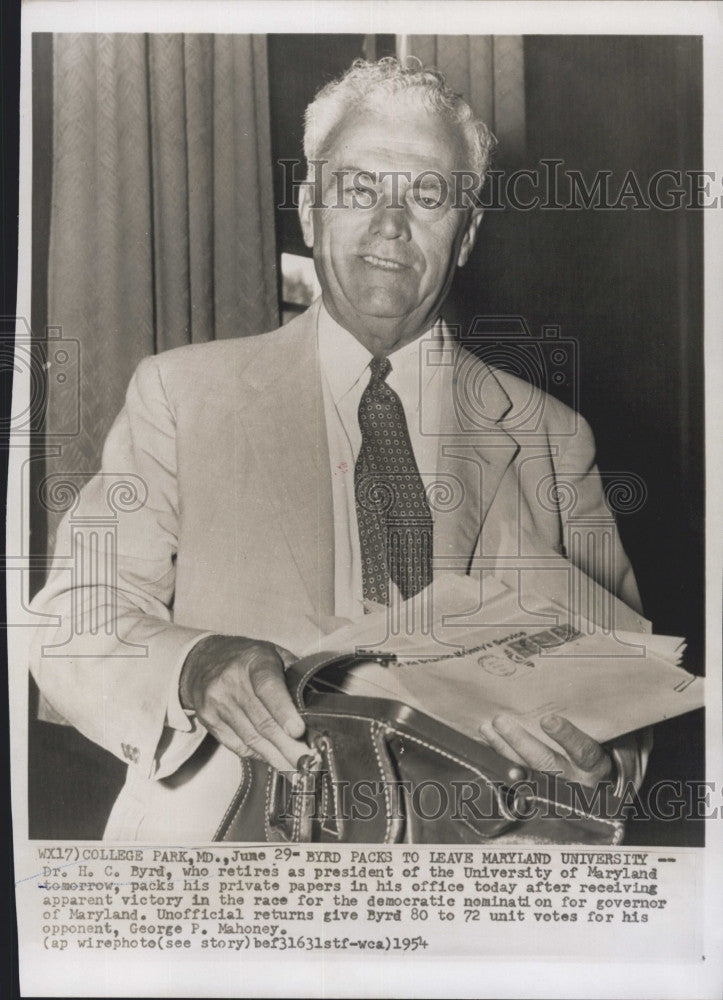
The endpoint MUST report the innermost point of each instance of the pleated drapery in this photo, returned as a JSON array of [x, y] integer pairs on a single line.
[[162, 217]]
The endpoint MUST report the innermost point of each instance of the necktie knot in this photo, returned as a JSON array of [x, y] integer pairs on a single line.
[[380, 368]]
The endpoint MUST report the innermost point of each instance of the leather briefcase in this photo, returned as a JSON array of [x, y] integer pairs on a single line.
[[382, 772]]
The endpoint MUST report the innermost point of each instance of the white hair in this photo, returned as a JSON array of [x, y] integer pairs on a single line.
[[368, 83]]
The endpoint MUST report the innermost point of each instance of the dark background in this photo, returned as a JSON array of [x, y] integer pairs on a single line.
[[625, 286]]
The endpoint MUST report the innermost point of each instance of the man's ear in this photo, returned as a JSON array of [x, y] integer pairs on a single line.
[[306, 218], [470, 236]]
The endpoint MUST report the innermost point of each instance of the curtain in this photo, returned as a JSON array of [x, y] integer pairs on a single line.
[[162, 217], [489, 72]]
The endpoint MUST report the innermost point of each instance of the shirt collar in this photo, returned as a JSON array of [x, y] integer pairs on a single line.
[[342, 357], [344, 360]]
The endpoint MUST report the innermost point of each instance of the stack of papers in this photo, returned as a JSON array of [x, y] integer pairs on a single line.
[[470, 659]]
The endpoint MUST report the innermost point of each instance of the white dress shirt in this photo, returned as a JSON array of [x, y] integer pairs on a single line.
[[345, 375]]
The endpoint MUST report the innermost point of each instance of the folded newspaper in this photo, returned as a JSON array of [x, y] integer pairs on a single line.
[[464, 656]]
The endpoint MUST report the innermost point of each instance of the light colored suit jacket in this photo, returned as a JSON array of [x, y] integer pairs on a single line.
[[225, 525]]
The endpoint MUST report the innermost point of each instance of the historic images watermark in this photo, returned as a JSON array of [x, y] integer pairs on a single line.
[[519, 800], [549, 185]]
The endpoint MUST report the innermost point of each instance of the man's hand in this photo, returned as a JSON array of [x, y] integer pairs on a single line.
[[583, 760], [236, 688]]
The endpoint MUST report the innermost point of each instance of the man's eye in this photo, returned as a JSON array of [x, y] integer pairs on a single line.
[[428, 198], [358, 187]]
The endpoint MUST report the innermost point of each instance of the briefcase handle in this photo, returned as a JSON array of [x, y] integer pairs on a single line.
[[301, 673]]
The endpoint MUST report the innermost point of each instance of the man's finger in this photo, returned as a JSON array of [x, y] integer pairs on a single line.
[[533, 752], [582, 749], [268, 682], [248, 736], [497, 743], [227, 736], [269, 729]]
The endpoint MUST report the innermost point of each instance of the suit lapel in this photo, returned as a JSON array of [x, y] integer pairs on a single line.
[[288, 439], [474, 453], [286, 429]]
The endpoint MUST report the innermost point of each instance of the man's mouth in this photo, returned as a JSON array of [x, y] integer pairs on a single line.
[[384, 263]]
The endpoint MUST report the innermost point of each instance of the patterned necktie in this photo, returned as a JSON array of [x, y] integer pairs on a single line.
[[395, 523]]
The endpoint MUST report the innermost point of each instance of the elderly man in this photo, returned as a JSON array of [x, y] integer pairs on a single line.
[[256, 453]]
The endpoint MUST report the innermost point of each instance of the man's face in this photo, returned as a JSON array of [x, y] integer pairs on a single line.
[[389, 236]]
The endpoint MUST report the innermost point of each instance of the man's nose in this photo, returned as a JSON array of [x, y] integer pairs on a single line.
[[390, 220]]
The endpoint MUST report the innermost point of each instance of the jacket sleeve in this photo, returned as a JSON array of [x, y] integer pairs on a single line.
[[108, 656], [593, 544], [592, 539]]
